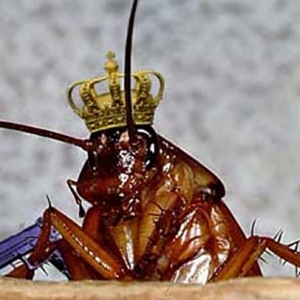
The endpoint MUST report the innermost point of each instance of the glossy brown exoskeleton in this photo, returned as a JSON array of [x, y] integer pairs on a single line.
[[156, 213]]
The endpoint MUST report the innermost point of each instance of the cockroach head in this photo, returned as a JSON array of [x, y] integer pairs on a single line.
[[102, 111]]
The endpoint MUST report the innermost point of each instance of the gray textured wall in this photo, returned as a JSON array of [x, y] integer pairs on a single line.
[[232, 97]]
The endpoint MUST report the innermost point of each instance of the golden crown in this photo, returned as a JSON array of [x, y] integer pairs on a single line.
[[108, 110]]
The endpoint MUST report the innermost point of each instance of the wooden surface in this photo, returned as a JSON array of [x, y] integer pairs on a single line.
[[245, 289]]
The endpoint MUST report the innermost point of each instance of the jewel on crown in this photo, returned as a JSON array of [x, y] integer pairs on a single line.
[[101, 111]]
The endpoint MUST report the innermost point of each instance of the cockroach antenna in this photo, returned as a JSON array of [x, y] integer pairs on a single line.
[[127, 70]]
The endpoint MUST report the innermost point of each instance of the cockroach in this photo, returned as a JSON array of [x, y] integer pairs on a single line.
[[156, 213]]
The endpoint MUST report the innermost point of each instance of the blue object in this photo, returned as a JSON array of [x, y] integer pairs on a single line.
[[19, 245]]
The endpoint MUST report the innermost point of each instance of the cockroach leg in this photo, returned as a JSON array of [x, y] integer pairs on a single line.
[[238, 235], [246, 256], [93, 254], [78, 200], [76, 265], [21, 272], [82, 246], [44, 248]]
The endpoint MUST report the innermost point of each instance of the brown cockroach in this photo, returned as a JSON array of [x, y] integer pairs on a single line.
[[156, 213]]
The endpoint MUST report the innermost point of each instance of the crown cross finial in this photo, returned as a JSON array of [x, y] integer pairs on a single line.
[[108, 110], [111, 66]]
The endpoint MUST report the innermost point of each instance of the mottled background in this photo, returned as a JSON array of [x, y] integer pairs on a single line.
[[232, 97]]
